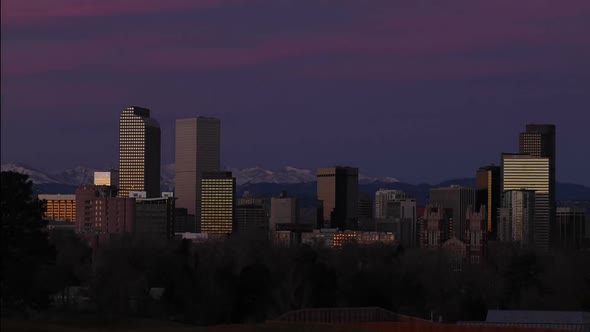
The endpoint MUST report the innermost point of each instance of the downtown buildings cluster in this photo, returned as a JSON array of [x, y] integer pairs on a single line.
[[513, 202]]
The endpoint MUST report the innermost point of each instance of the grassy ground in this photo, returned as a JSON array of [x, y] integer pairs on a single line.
[[154, 326]]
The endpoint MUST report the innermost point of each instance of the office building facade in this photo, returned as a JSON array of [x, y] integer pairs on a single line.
[[477, 235], [252, 218], [571, 228], [338, 193], [59, 207], [198, 146], [459, 199], [154, 218], [436, 226], [218, 200], [283, 210], [516, 217], [539, 141], [139, 152], [488, 192], [382, 197], [525, 172], [100, 212], [110, 178]]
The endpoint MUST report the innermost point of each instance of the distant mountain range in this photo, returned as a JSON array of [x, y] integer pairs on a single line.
[[85, 175], [298, 182]]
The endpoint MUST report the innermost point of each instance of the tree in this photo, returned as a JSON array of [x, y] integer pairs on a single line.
[[24, 244]]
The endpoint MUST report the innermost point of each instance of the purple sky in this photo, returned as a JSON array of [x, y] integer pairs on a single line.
[[422, 90]]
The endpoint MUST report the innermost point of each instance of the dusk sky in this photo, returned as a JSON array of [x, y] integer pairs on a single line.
[[421, 90]]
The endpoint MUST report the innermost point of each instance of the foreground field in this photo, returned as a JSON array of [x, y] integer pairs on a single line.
[[157, 326]]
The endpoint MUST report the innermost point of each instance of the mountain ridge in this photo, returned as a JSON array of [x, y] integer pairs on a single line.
[[259, 181]]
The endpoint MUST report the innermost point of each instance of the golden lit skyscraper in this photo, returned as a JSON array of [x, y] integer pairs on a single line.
[[218, 200], [139, 152], [489, 193], [525, 172], [198, 142]]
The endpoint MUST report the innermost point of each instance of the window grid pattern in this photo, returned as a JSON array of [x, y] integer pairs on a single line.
[[524, 172], [217, 205], [132, 139]]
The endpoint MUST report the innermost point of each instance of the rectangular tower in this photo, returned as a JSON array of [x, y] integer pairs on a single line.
[[139, 152], [488, 192], [458, 198], [198, 143], [338, 192], [523, 171], [538, 140], [516, 217], [218, 201]]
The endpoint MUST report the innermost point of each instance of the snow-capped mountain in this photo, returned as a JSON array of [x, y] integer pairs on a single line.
[[288, 174], [36, 175], [369, 179], [77, 176]]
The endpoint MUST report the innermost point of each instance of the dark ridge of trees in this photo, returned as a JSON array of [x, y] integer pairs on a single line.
[[239, 281], [242, 280], [27, 255]]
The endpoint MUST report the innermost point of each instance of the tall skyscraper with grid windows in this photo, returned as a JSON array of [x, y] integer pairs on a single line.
[[139, 152]]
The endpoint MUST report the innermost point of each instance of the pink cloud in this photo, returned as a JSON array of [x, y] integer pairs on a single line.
[[389, 38], [18, 12]]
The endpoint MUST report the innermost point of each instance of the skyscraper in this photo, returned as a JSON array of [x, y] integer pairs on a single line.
[[338, 192], [283, 210], [523, 171], [218, 201], [516, 217], [382, 197], [139, 152], [539, 141], [459, 199], [198, 143], [489, 193]]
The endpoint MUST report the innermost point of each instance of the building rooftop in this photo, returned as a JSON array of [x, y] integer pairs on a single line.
[[538, 317]]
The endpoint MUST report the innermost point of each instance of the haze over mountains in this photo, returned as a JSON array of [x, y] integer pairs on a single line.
[[85, 175], [299, 182]]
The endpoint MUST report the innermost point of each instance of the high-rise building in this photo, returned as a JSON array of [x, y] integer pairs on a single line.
[[458, 198], [365, 213], [100, 212], [571, 222], [139, 152], [110, 178], [283, 210], [516, 217], [218, 200], [525, 172], [539, 140], [252, 219], [59, 207], [398, 215], [154, 217], [382, 196], [489, 193], [338, 192], [198, 143]]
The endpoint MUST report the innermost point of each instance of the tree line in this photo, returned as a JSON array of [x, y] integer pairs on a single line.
[[245, 280]]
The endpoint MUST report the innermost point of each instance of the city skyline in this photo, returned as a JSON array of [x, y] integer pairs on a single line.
[[399, 77]]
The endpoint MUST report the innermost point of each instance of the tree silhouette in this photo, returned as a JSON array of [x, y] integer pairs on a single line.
[[25, 248]]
